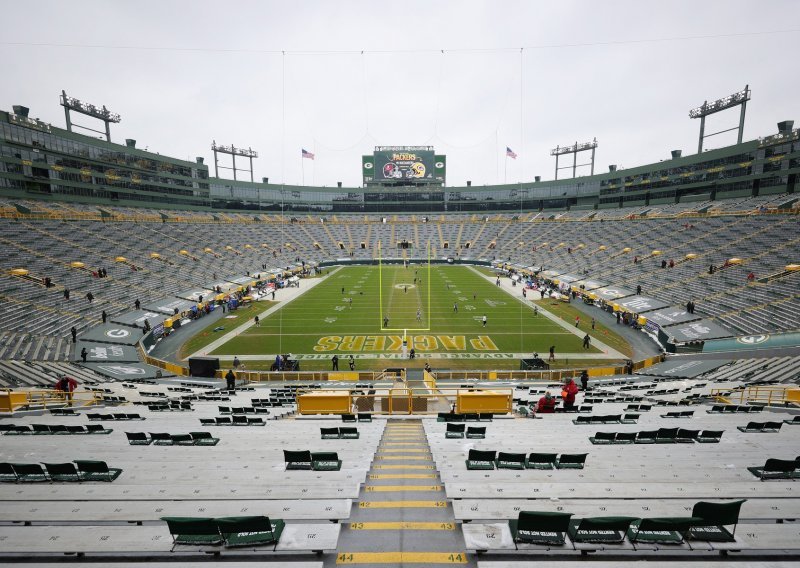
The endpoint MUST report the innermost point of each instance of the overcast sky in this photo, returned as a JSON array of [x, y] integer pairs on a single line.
[[469, 78]]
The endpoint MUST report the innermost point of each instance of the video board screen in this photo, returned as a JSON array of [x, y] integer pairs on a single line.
[[393, 166], [406, 165]]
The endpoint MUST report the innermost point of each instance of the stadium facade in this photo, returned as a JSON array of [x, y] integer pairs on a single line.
[[41, 161]]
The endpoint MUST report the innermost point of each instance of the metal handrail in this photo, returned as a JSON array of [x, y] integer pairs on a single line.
[[762, 394]]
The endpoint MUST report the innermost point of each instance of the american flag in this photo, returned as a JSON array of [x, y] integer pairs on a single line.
[[307, 154], [510, 153]]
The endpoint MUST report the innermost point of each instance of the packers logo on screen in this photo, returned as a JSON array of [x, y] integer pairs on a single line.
[[439, 165], [367, 165], [419, 169]]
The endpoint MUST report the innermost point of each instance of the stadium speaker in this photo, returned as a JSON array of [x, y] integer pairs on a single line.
[[203, 366], [265, 180], [676, 154], [20, 110], [338, 184], [469, 183], [785, 127], [537, 179]]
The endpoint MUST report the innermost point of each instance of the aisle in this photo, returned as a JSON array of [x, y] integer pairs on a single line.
[[402, 516]]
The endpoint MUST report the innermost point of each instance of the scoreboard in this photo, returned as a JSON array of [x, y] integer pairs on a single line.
[[403, 165]]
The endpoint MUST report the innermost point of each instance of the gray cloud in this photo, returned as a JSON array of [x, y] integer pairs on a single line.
[[184, 73]]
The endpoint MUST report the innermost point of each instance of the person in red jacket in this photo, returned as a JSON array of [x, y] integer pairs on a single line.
[[569, 392], [67, 385], [547, 404]]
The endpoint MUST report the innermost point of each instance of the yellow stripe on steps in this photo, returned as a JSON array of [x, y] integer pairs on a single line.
[[401, 476], [378, 488], [403, 526], [425, 457], [402, 504], [395, 466], [401, 558]]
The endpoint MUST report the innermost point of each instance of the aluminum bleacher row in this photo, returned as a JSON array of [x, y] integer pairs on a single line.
[[635, 481], [245, 474], [35, 322], [221, 480]]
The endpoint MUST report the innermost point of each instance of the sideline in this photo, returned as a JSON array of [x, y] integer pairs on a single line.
[[286, 295], [606, 351]]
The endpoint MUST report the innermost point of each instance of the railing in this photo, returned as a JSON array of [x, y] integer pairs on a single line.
[[12, 400], [404, 400], [769, 395], [309, 376]]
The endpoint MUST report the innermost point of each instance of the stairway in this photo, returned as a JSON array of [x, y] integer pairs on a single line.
[[402, 516]]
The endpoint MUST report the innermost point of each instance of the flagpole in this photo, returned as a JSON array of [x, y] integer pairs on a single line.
[[302, 169], [496, 165], [505, 170]]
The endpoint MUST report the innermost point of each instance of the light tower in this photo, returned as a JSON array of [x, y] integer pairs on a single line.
[[102, 113], [574, 149], [701, 112], [233, 151]]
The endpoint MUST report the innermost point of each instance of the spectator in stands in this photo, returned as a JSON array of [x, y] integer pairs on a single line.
[[66, 293], [335, 363], [84, 354], [230, 380], [90, 297], [569, 392], [74, 332], [712, 269], [428, 367], [751, 277], [547, 404], [639, 289], [671, 263], [663, 264], [104, 316], [137, 304], [67, 385], [635, 260], [585, 381]]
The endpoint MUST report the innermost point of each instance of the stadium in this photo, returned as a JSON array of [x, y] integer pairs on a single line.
[[403, 371]]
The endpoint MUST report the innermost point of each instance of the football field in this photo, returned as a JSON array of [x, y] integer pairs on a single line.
[[368, 311]]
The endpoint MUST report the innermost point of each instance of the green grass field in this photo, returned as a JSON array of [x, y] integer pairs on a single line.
[[323, 321]]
